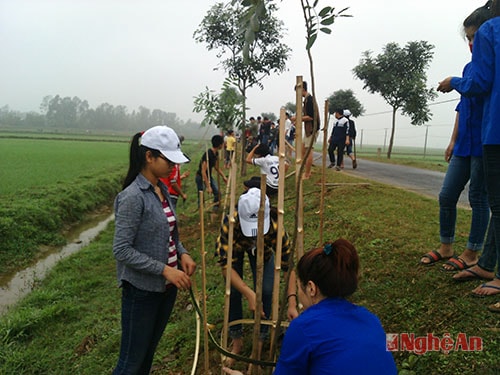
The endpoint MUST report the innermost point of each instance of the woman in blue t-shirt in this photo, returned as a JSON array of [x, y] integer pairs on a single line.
[[465, 155], [332, 335], [483, 78]]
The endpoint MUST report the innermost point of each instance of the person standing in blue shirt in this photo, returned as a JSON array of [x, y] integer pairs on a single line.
[[464, 155], [332, 335], [483, 78]]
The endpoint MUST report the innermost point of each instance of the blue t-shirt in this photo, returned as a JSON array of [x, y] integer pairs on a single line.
[[483, 78], [335, 337], [470, 116]]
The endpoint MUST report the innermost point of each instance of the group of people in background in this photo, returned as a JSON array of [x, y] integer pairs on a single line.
[[474, 156], [264, 131]]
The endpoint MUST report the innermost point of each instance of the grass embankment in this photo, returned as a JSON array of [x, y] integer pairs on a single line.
[[47, 185], [70, 323]]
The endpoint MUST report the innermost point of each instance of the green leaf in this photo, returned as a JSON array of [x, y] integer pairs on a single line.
[[311, 40], [326, 30], [328, 21], [325, 11]]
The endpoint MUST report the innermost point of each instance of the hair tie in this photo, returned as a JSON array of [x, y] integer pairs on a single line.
[[328, 248]]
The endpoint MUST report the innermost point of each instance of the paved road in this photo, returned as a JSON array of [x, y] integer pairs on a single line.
[[421, 181]]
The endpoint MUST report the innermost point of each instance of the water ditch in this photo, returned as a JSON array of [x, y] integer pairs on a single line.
[[15, 286]]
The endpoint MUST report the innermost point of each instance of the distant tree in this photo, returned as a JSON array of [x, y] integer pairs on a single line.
[[44, 106], [223, 110], [265, 53], [290, 108], [345, 99], [270, 115], [34, 120], [10, 117], [399, 76]]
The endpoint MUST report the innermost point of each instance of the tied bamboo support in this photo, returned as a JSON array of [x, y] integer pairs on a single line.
[[323, 173], [229, 267], [204, 286], [259, 274], [299, 215], [279, 235]]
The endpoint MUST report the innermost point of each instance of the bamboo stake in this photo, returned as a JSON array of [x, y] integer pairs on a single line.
[[323, 174], [204, 284], [298, 125], [259, 273], [300, 201], [198, 329], [229, 267], [279, 234], [228, 186]]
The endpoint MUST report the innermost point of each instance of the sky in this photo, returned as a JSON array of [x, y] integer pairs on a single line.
[[142, 52]]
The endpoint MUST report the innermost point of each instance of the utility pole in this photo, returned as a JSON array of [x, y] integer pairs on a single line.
[[425, 143]]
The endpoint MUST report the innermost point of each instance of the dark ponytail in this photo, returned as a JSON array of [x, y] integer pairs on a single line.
[[137, 160], [333, 268], [479, 16]]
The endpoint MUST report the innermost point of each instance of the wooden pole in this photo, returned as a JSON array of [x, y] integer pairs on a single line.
[[229, 267], [298, 125], [279, 234], [259, 273], [323, 174], [204, 285], [299, 161]]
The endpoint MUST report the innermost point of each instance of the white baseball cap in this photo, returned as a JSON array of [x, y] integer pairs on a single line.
[[248, 212], [164, 139], [347, 113]]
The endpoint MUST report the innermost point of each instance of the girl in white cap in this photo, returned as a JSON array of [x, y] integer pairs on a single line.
[[151, 261]]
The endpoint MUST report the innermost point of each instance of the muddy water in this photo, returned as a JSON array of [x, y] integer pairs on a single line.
[[14, 287]]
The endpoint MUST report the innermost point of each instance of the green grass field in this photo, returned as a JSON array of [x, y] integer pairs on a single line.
[[32, 164]]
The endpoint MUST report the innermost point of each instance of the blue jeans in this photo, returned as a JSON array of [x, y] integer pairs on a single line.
[[235, 304], [491, 254], [144, 318], [201, 187], [460, 171]]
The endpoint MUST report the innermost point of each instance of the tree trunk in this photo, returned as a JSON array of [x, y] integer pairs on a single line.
[[242, 137], [391, 141]]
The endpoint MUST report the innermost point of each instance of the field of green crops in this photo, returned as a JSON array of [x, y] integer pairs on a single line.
[[47, 185], [31, 164]]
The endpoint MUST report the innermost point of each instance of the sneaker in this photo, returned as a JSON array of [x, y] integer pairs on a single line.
[[354, 164], [337, 168], [331, 166]]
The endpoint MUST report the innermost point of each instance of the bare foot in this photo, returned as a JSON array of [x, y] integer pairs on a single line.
[[237, 347], [487, 289]]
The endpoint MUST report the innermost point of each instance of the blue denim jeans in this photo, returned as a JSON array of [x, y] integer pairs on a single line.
[[491, 254], [200, 185], [144, 318], [235, 304], [460, 171]]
